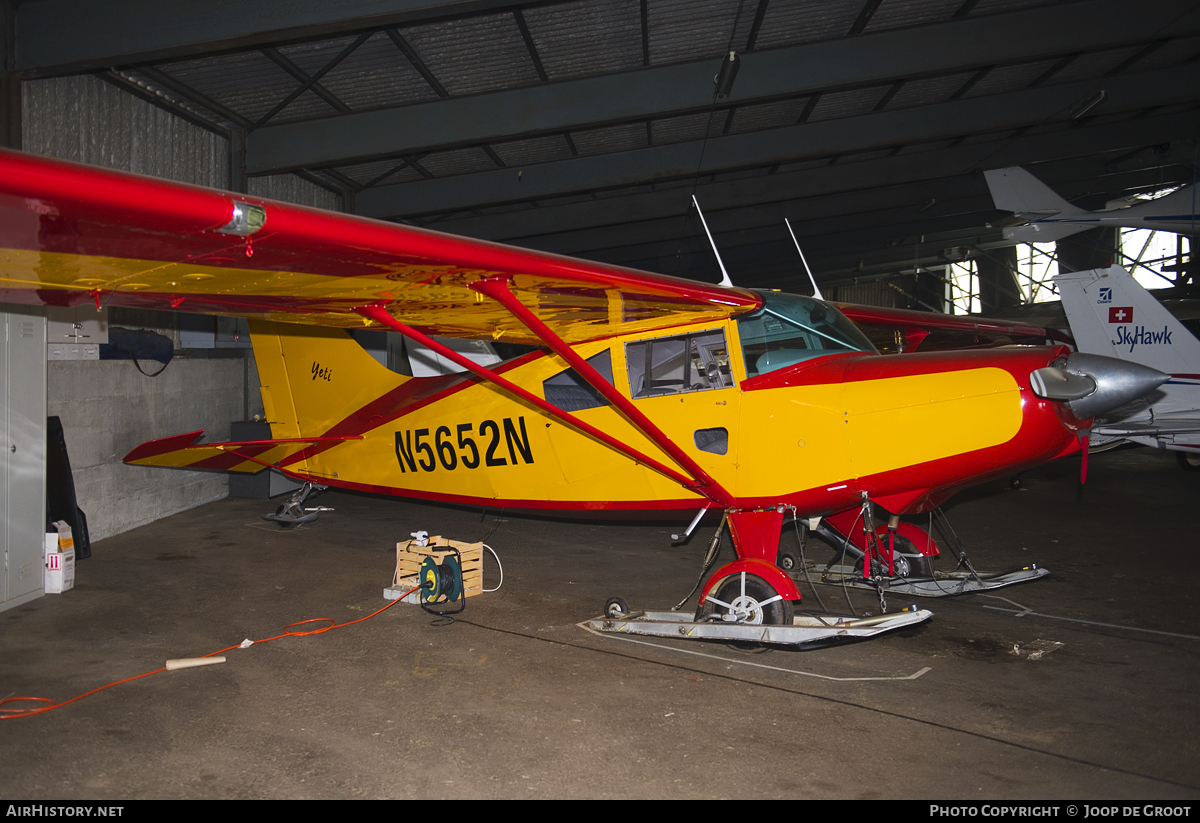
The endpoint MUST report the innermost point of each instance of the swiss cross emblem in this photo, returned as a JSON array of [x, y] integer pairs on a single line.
[[1120, 314]]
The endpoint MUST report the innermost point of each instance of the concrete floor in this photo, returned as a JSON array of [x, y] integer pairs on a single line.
[[514, 700]]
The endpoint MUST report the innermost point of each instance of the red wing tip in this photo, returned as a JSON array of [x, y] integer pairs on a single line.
[[153, 448]]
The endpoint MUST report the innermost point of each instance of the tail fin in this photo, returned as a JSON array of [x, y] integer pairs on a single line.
[[314, 378], [1112, 314], [1016, 190]]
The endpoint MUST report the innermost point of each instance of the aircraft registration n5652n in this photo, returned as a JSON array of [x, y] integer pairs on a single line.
[[646, 392]]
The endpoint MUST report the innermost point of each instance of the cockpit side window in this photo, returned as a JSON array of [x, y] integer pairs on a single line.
[[673, 365], [571, 393], [790, 329]]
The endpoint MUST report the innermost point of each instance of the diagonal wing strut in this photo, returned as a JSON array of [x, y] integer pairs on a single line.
[[378, 313], [498, 289]]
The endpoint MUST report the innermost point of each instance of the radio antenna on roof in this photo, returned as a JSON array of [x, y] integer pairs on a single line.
[[813, 280], [725, 281]]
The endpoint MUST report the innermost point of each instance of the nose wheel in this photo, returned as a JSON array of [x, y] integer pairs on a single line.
[[748, 599]]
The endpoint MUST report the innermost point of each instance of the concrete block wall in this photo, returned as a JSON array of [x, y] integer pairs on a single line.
[[107, 407]]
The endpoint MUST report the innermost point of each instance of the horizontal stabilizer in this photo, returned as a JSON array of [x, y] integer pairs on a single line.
[[248, 456], [1044, 232]]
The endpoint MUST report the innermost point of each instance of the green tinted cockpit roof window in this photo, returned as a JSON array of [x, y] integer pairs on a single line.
[[789, 329]]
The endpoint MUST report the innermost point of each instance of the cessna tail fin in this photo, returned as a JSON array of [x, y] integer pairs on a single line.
[[1112, 314], [1016, 190]]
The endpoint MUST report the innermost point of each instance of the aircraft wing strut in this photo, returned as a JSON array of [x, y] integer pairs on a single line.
[[498, 288], [380, 315]]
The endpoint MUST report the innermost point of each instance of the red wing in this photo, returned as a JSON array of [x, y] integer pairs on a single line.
[[71, 234], [896, 329]]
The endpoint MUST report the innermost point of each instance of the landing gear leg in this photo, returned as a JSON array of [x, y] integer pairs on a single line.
[[292, 513], [751, 589]]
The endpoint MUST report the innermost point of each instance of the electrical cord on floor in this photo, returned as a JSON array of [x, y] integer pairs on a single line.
[[9, 714], [498, 566]]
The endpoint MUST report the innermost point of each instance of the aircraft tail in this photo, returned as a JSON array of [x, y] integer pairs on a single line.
[[1016, 190], [313, 378], [1110, 313]]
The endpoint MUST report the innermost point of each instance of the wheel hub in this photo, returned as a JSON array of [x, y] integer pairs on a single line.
[[744, 609]]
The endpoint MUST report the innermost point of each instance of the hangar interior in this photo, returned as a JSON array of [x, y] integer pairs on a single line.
[[584, 128]]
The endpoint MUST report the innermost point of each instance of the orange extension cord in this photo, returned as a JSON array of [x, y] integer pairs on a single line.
[[9, 714]]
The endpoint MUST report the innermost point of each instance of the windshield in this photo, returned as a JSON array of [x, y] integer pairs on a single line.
[[789, 329]]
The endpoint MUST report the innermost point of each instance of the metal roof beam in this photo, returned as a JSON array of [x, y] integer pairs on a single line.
[[880, 58], [871, 221], [69, 36], [902, 170], [816, 218], [879, 130]]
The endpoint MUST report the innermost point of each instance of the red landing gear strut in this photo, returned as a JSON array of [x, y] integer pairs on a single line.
[[751, 589]]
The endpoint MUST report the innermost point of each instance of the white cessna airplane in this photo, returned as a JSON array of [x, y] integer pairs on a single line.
[[1110, 313], [1052, 218]]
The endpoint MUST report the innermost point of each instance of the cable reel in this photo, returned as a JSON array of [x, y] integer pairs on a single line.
[[442, 580]]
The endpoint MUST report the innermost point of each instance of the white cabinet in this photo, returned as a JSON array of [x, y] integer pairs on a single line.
[[22, 451]]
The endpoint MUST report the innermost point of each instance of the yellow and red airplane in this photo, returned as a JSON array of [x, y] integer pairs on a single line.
[[646, 392]]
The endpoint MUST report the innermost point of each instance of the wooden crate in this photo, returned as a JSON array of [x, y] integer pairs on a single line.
[[409, 557]]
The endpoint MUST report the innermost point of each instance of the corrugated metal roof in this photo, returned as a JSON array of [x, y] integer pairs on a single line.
[[621, 137], [929, 90], [685, 127], [768, 115], [894, 14], [788, 22], [847, 103], [475, 54], [377, 75], [584, 38], [533, 150], [685, 30]]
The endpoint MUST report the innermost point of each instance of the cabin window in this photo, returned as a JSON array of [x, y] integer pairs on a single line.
[[714, 441], [789, 329], [674, 365], [570, 392]]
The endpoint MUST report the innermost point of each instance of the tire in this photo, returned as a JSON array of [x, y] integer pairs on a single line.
[[757, 591], [1188, 461], [788, 560], [616, 608], [909, 561]]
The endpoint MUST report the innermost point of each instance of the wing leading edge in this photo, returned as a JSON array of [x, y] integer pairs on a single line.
[[72, 235]]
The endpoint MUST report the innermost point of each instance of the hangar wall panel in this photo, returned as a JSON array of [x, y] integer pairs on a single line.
[[108, 407], [84, 119], [292, 189]]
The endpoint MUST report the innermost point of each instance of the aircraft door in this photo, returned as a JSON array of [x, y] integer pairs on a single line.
[[686, 385]]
